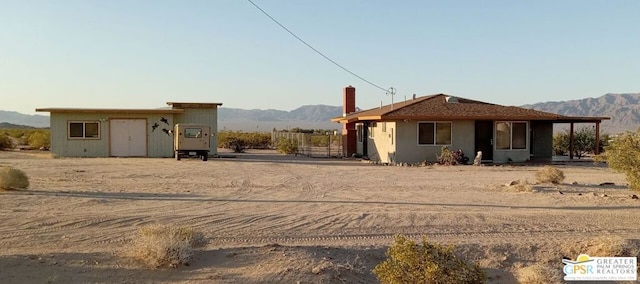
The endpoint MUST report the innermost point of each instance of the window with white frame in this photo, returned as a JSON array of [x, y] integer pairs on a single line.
[[372, 128], [511, 135], [84, 130], [434, 133]]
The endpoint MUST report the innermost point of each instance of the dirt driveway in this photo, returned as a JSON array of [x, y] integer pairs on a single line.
[[273, 218]]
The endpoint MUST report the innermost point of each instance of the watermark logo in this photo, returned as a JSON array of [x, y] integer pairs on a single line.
[[601, 268]]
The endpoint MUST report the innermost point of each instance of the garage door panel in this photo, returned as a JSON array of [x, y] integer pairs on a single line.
[[128, 137]]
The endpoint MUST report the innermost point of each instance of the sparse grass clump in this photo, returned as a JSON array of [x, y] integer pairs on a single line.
[[550, 174], [160, 245], [408, 262], [11, 178], [539, 274]]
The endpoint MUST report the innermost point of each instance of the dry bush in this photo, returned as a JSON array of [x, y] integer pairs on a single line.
[[539, 274], [408, 262], [160, 245], [5, 142], [550, 174], [521, 186], [11, 178]]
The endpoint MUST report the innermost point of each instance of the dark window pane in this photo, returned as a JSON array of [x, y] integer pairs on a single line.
[[443, 133], [519, 136], [425, 133], [91, 130], [193, 132], [75, 129]]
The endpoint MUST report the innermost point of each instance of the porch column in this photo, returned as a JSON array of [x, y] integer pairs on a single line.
[[597, 149], [571, 141]]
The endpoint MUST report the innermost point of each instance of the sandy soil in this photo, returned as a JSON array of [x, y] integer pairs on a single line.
[[284, 219]]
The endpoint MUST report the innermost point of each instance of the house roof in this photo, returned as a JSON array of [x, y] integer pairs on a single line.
[[109, 110], [445, 107], [193, 105]]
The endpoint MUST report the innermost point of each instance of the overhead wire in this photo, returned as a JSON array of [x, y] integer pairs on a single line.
[[314, 49]]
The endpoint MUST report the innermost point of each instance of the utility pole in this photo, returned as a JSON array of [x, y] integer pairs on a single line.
[[391, 92]]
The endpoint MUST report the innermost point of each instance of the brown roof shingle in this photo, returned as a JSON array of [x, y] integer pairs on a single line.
[[436, 107]]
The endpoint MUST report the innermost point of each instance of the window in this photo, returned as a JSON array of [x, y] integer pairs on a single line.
[[193, 132], [84, 130], [359, 132], [511, 135], [372, 128], [434, 133], [384, 126]]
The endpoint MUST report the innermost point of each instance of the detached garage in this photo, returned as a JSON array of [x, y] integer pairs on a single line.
[[125, 132]]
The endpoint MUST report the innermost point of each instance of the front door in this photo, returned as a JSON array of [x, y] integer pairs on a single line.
[[484, 139], [128, 137]]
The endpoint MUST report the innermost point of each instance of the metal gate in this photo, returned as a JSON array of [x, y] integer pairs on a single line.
[[312, 145]]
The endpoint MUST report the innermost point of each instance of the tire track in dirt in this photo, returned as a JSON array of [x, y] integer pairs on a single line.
[[471, 237]]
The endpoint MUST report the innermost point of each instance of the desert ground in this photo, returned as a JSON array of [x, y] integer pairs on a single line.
[[272, 218]]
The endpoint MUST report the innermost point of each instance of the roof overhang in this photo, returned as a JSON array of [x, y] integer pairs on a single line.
[[109, 110], [559, 119], [193, 105]]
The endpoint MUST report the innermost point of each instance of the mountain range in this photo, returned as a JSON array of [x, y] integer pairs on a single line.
[[623, 109]]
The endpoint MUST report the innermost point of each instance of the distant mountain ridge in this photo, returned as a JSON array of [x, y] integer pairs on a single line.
[[14, 117], [623, 109]]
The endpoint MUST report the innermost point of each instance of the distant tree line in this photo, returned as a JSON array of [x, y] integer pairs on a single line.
[[33, 138]]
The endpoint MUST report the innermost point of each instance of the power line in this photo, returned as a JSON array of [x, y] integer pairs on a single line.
[[317, 51]]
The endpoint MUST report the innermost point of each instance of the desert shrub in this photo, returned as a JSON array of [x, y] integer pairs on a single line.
[[550, 174], [287, 146], [238, 145], [450, 158], [409, 262], [160, 245], [623, 155], [584, 141], [11, 178], [5, 142], [39, 139], [247, 140]]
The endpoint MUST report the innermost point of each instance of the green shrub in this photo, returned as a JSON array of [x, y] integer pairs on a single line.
[[287, 146], [39, 139], [408, 262], [623, 155], [550, 174], [160, 245], [11, 178], [5, 142], [243, 140]]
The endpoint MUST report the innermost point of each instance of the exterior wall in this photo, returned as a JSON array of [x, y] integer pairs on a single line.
[[159, 144], [408, 150], [382, 147], [541, 140], [208, 116]]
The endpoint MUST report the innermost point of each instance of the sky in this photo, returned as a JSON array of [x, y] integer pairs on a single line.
[[144, 53]]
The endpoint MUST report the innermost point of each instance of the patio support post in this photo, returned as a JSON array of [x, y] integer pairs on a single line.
[[571, 141], [597, 149]]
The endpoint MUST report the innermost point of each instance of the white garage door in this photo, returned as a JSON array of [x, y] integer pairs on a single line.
[[128, 137]]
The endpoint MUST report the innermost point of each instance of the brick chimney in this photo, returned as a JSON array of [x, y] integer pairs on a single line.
[[349, 138]]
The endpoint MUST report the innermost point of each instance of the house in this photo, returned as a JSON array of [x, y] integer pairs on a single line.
[[77, 132], [415, 130]]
